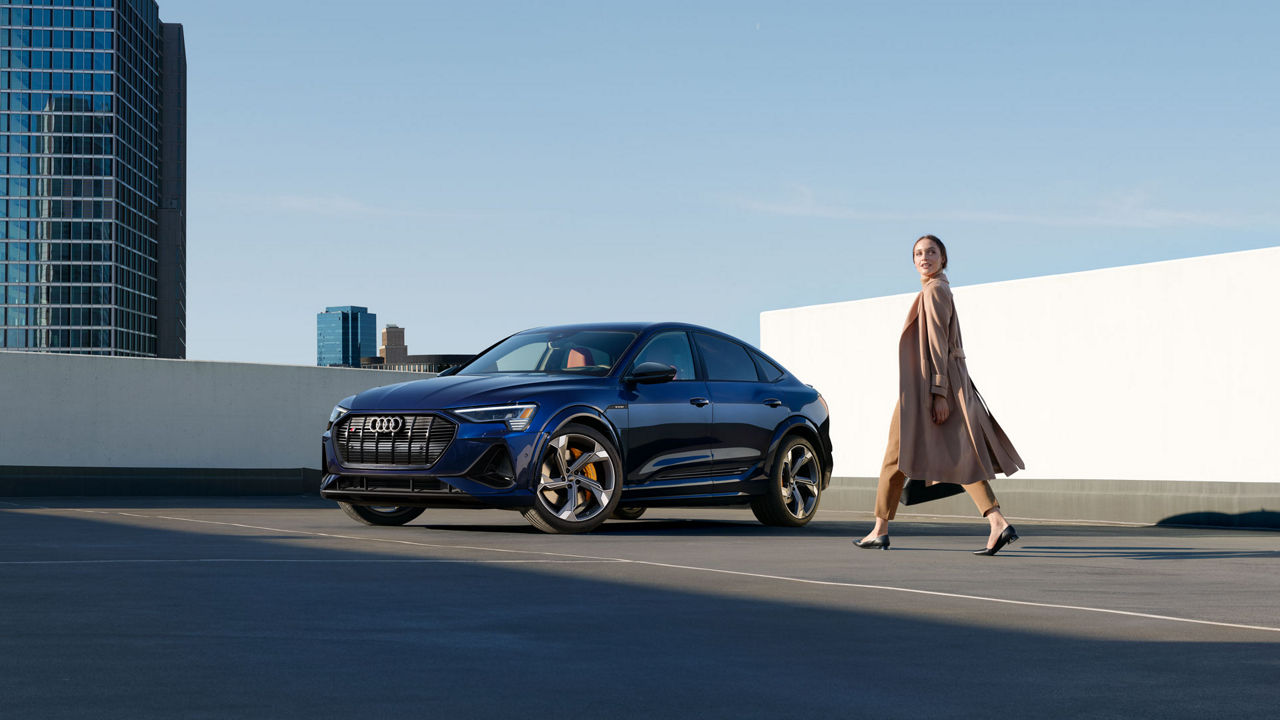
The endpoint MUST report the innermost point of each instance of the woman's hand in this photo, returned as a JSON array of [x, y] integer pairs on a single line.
[[941, 409]]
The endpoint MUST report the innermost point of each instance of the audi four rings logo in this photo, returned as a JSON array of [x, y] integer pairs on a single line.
[[384, 424]]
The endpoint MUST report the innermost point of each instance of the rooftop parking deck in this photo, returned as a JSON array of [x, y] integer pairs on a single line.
[[283, 608]]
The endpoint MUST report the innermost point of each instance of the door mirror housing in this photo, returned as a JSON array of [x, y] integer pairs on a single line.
[[649, 373]]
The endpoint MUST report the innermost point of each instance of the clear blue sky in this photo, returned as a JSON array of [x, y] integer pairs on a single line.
[[468, 169]]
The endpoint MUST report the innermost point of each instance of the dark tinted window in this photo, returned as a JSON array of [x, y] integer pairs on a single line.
[[725, 359], [768, 371], [671, 348]]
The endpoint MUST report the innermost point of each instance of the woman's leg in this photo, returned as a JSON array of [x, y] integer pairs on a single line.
[[982, 496], [888, 493], [987, 504], [889, 489]]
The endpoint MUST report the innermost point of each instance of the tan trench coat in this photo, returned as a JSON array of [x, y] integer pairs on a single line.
[[969, 446]]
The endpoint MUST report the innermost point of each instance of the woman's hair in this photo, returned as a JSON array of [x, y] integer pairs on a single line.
[[941, 247]]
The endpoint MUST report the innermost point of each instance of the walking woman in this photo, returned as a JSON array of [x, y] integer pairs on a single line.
[[941, 430]]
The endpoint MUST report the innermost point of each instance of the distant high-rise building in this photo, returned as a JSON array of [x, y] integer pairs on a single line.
[[92, 178], [344, 334]]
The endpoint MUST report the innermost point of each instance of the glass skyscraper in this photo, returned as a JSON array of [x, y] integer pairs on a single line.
[[92, 178], [344, 334]]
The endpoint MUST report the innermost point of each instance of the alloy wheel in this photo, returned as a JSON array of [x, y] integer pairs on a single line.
[[800, 481], [577, 478]]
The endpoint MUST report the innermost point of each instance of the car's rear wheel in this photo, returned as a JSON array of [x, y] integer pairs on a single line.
[[795, 486], [380, 515], [629, 513], [579, 482]]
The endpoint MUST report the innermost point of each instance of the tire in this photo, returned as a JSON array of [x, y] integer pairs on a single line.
[[377, 515], [579, 482], [628, 513], [795, 486]]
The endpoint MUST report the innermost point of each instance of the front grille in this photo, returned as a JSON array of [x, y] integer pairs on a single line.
[[419, 441]]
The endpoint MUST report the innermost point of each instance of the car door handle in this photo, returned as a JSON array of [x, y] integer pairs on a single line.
[[773, 402], [699, 401]]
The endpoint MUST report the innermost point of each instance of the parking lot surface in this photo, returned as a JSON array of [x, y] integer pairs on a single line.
[[285, 608]]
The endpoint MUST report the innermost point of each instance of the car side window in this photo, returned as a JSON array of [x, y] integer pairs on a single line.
[[670, 348], [725, 359], [768, 371]]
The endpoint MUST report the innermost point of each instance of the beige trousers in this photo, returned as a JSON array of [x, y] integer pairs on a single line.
[[889, 491]]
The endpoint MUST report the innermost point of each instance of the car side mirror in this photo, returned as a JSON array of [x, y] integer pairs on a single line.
[[452, 369], [649, 373]]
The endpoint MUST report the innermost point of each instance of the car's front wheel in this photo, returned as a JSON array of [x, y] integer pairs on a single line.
[[378, 515], [579, 482], [795, 486]]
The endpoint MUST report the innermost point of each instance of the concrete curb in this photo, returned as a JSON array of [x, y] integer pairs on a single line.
[[19, 481], [1149, 502]]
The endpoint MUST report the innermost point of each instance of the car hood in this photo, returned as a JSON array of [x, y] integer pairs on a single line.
[[457, 391]]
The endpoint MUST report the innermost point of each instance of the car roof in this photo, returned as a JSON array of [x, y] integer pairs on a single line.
[[631, 326], [641, 327]]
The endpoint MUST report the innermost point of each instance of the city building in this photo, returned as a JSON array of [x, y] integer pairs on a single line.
[[393, 350], [92, 178], [394, 355], [344, 334]]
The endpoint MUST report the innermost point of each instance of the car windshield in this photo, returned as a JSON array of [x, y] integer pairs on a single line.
[[578, 352]]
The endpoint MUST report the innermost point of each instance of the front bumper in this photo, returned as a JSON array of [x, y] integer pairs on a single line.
[[485, 465]]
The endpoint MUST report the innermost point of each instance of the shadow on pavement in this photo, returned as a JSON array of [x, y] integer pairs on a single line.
[[1256, 520], [148, 621], [1130, 552], [744, 526]]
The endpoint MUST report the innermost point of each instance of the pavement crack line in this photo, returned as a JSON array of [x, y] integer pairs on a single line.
[[694, 568]]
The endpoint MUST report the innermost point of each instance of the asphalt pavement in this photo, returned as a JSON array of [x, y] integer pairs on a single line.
[[286, 608]]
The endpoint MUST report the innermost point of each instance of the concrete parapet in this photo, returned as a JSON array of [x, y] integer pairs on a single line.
[[75, 424]]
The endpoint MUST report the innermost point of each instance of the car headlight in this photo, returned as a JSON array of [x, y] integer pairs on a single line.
[[338, 411], [516, 417]]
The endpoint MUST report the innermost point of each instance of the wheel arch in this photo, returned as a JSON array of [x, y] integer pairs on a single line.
[[802, 427], [582, 415]]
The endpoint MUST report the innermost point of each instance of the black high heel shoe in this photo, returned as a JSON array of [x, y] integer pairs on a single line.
[[1007, 536], [881, 541]]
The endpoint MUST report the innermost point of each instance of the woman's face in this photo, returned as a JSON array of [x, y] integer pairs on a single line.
[[928, 257]]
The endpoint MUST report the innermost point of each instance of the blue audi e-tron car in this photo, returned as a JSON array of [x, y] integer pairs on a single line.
[[575, 424]]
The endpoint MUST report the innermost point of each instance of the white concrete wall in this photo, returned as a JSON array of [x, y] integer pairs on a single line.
[[81, 411], [1162, 371]]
